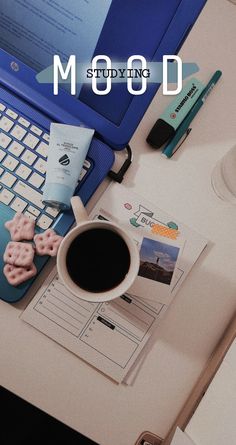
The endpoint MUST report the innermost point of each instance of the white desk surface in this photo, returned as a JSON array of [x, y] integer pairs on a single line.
[[48, 376]]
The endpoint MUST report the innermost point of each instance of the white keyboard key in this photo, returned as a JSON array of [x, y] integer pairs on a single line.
[[4, 140], [10, 163], [16, 148], [6, 196], [33, 210], [44, 222], [2, 107], [8, 179], [82, 174], [51, 211], [11, 113], [46, 137], [2, 155], [36, 180], [28, 157], [29, 194], [1, 171], [42, 149], [30, 140], [19, 205], [30, 216], [23, 171], [87, 164], [6, 124], [24, 122], [18, 132], [40, 165], [35, 130]]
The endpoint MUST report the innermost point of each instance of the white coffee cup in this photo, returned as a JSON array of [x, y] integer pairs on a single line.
[[83, 224]]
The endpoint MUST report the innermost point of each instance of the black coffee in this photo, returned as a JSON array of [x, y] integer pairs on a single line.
[[98, 260]]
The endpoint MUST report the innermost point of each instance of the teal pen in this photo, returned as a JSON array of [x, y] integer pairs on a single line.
[[183, 129]]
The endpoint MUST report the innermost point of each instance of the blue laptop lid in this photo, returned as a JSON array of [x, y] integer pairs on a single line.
[[151, 28]]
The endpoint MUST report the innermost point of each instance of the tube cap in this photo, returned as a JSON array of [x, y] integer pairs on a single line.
[[57, 195]]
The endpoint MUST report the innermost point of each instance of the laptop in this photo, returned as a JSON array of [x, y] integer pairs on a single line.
[[27, 107]]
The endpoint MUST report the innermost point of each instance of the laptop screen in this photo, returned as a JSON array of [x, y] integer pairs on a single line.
[[35, 30]]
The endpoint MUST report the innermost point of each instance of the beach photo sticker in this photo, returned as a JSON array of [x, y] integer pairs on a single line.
[[157, 260]]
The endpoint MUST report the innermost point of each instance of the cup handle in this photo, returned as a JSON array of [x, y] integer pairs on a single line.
[[79, 210]]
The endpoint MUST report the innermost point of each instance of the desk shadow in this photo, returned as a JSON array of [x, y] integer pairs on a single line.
[[29, 425]]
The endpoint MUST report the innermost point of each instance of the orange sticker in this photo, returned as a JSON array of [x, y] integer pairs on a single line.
[[165, 231]]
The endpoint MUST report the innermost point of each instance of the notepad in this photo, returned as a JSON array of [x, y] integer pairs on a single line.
[[111, 336], [181, 438]]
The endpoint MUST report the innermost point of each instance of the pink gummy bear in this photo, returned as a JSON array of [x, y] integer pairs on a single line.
[[47, 243], [20, 227], [17, 275], [19, 254]]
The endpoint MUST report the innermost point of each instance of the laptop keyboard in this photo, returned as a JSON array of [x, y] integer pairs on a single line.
[[23, 160]]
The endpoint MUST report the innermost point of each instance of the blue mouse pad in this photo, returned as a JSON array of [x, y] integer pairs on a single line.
[[7, 292]]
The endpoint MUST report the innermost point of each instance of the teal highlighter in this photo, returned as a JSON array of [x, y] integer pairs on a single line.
[[167, 124], [183, 129]]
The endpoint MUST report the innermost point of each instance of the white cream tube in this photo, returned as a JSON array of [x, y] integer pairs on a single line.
[[68, 148]]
